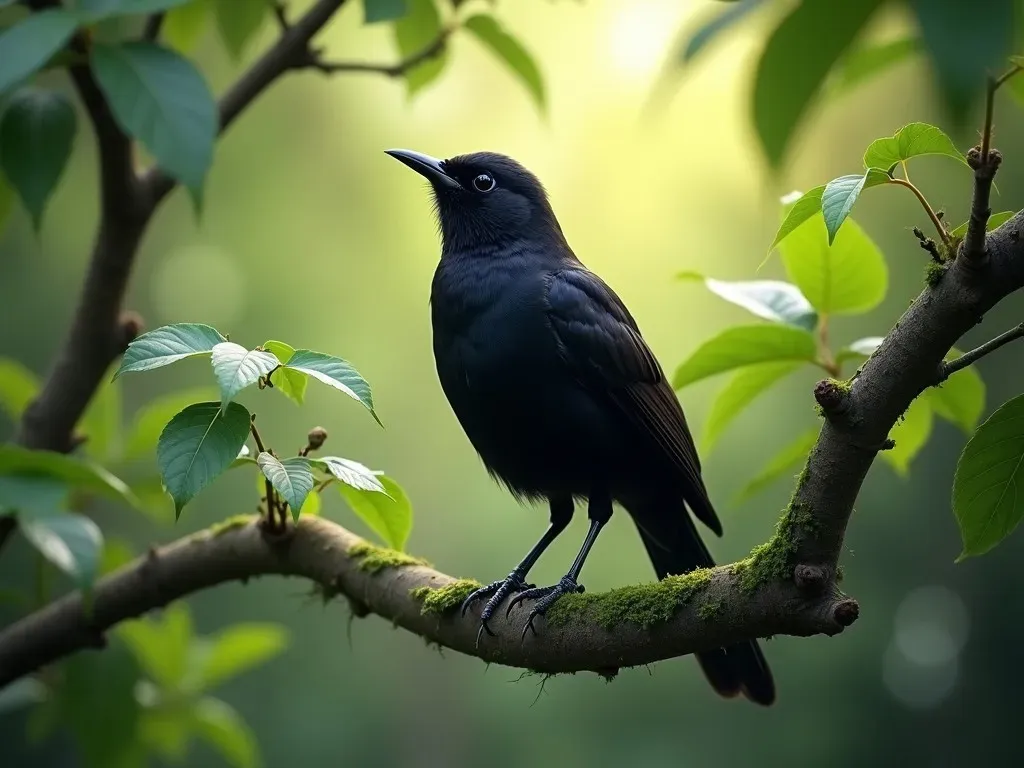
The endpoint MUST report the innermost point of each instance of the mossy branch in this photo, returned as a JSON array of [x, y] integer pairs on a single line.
[[600, 632]]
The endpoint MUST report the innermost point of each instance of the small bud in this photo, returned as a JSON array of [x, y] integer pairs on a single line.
[[316, 438]]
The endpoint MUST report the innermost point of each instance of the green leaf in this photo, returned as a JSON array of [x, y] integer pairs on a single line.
[[168, 344], [745, 345], [714, 27], [239, 21], [165, 731], [416, 30], [70, 541], [848, 277], [78, 473], [785, 460], [791, 70], [509, 50], [311, 506], [198, 445], [184, 25], [226, 732], [101, 423], [994, 221], [911, 434], [965, 46], [334, 372], [96, 702], [291, 384], [868, 61], [238, 649], [744, 387], [840, 194], [162, 100], [382, 10], [161, 644], [151, 419], [986, 500], [800, 210], [351, 473], [292, 477], [960, 398], [388, 514], [860, 348], [913, 140], [236, 367], [18, 387], [31, 42], [37, 131], [94, 10], [771, 299]]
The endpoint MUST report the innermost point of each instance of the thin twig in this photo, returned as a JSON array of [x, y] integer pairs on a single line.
[[397, 69], [969, 358], [936, 221], [272, 506]]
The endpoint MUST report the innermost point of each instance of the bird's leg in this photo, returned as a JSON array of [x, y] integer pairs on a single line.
[[561, 514], [599, 512]]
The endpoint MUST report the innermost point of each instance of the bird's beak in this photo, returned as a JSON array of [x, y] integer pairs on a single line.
[[425, 165]]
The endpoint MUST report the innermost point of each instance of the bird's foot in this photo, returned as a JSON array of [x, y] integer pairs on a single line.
[[495, 593], [545, 597]]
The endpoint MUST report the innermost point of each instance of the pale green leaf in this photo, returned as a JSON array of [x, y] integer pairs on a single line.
[[168, 344], [798, 210], [78, 473], [18, 387], [94, 10], [770, 299], [509, 50], [184, 25], [116, 553], [868, 61], [70, 541], [239, 22], [161, 644], [986, 498], [197, 445], [388, 514], [290, 383], [743, 388], [102, 423], [382, 10], [995, 220], [911, 140], [292, 477], [414, 32], [911, 433], [840, 194], [745, 345], [860, 348], [848, 277], [351, 472], [334, 372], [236, 367]]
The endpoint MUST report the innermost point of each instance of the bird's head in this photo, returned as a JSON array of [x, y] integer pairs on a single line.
[[484, 199]]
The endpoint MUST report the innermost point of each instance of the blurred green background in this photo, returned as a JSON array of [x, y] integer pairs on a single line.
[[312, 235]]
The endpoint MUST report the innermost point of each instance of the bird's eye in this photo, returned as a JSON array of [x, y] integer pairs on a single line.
[[484, 182]]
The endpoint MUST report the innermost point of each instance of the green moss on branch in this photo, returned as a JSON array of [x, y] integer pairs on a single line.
[[442, 600], [373, 559]]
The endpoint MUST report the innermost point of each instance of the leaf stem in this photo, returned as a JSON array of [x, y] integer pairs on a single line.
[[968, 358], [272, 505], [936, 221], [825, 358]]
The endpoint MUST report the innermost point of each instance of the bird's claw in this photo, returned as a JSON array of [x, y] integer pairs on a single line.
[[545, 597], [496, 592]]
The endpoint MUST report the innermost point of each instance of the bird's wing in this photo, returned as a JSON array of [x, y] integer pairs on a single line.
[[601, 342]]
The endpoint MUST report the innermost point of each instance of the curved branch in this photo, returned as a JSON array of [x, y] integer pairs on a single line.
[[327, 554]]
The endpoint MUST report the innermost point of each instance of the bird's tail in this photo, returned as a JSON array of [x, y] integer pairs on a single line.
[[675, 547]]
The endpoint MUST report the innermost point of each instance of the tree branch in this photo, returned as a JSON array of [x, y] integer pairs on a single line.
[[153, 23], [319, 550], [969, 358]]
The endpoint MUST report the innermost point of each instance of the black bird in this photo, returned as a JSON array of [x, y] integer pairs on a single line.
[[557, 391]]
